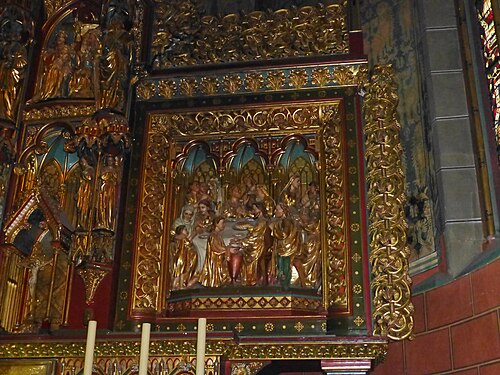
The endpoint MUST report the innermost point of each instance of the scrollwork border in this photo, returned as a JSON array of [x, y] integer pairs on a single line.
[[389, 251]]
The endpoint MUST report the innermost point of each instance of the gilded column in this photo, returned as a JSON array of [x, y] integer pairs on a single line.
[[389, 251]]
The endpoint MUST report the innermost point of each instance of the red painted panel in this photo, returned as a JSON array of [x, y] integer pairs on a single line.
[[476, 341], [101, 305], [492, 369], [419, 314], [429, 353], [486, 287], [394, 361], [449, 303]]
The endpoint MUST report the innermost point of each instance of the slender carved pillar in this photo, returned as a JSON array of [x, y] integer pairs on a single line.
[[100, 142], [389, 251]]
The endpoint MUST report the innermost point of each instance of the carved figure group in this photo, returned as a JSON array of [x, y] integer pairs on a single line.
[[96, 199], [57, 63], [87, 63], [237, 242]]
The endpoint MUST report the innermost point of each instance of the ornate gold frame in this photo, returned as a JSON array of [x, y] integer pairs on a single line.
[[323, 118], [391, 289]]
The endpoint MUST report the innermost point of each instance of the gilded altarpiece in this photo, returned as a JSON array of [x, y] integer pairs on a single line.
[[307, 127], [243, 198]]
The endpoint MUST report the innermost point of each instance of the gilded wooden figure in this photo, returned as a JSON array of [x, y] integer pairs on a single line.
[[57, 64], [14, 32], [106, 204], [215, 271]]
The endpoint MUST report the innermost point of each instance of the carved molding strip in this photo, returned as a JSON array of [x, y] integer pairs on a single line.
[[389, 251], [241, 303], [182, 35], [269, 80], [333, 143], [151, 219], [58, 112], [110, 348], [305, 350], [296, 118], [277, 350]]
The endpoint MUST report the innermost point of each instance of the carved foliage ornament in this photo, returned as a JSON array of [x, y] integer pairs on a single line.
[[389, 251], [265, 80], [321, 349], [268, 119], [183, 36]]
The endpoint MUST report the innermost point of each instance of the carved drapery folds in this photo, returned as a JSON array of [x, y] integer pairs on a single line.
[[386, 196], [183, 36], [115, 58]]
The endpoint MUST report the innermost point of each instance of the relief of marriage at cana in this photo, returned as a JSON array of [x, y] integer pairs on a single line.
[[249, 238]]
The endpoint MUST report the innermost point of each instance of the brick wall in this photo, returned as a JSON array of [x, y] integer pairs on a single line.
[[456, 329]]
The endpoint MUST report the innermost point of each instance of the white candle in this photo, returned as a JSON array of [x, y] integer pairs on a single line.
[[143, 359], [89, 350], [200, 346]]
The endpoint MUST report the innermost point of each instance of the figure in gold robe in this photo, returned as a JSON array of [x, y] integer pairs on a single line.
[[287, 246], [81, 84], [113, 67], [57, 65], [204, 217], [106, 215], [12, 67], [256, 244], [215, 270], [311, 250], [84, 195], [291, 197], [262, 195], [233, 207], [185, 260]]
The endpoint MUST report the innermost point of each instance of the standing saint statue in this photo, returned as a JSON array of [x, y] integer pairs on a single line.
[[15, 36], [184, 260], [84, 195], [215, 270], [11, 74], [113, 67], [256, 245], [287, 246], [106, 204], [310, 256]]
